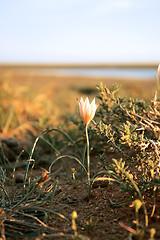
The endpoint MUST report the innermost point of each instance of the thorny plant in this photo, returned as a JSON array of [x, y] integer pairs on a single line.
[[132, 127]]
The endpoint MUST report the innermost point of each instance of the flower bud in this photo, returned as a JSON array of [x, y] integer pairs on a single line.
[[87, 110], [74, 214]]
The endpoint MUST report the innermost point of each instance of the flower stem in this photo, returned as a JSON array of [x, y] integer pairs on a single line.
[[88, 160]]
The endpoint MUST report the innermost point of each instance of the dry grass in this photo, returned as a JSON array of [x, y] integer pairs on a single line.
[[50, 99]]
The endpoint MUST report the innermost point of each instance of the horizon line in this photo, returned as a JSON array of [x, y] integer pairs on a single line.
[[115, 64]]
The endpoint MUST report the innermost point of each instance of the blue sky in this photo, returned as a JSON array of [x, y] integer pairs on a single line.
[[79, 30]]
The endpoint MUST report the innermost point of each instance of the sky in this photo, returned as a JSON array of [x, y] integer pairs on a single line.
[[71, 31]]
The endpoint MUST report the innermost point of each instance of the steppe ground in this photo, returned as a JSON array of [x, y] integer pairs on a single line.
[[60, 93]]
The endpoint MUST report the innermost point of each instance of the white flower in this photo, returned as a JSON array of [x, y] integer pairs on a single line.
[[87, 110]]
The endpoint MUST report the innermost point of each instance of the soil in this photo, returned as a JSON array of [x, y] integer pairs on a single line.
[[105, 218], [74, 195]]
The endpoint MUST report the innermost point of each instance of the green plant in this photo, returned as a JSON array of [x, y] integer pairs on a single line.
[[26, 210]]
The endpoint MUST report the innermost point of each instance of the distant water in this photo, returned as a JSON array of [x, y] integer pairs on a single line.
[[126, 73]]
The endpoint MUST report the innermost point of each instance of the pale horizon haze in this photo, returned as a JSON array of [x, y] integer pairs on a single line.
[[58, 31]]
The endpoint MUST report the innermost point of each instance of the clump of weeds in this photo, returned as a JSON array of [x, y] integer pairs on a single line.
[[132, 128]]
